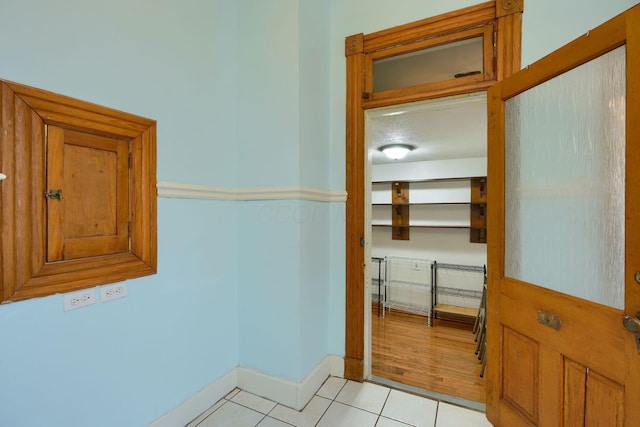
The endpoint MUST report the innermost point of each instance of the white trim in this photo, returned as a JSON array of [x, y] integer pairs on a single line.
[[293, 395], [288, 393], [191, 191], [199, 402]]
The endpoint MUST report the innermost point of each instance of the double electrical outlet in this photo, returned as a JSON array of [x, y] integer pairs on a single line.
[[87, 297]]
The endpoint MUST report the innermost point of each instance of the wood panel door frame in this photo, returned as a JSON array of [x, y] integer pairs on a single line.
[[506, 16], [556, 373]]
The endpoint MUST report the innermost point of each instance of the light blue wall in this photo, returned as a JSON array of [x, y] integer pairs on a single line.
[[337, 273], [314, 90], [269, 290], [283, 246], [549, 24], [283, 270], [128, 361], [268, 93], [314, 221], [247, 93]]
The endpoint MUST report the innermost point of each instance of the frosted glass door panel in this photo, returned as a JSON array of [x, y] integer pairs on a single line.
[[564, 182]]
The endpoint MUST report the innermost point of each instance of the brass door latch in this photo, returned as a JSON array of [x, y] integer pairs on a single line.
[[54, 194]]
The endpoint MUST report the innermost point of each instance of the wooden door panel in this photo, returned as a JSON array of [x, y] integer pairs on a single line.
[[604, 402], [92, 218], [581, 321], [575, 378], [90, 192], [520, 373]]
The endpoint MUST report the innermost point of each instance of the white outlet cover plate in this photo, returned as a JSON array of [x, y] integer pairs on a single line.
[[79, 299], [113, 291]]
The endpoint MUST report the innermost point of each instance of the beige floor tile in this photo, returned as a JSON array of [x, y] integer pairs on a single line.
[[308, 417], [455, 416], [367, 396], [254, 402], [232, 415], [331, 387], [339, 415], [411, 409]]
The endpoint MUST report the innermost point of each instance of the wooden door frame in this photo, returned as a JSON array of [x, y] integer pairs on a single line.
[[506, 15]]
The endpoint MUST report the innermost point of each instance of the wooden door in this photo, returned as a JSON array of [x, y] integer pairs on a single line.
[[564, 235], [89, 214]]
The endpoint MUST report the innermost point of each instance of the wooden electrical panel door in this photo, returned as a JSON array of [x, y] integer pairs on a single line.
[[78, 205], [87, 196]]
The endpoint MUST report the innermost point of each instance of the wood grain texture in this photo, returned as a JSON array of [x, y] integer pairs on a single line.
[[495, 252], [551, 368], [575, 392], [96, 195], [509, 7], [439, 358], [9, 211], [520, 373], [400, 215], [508, 45], [55, 181], [354, 345], [441, 24], [632, 201], [25, 238], [604, 402], [354, 44]]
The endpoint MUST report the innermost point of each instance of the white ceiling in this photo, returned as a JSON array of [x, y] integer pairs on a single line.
[[445, 128]]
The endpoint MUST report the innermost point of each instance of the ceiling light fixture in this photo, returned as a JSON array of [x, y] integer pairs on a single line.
[[396, 151]]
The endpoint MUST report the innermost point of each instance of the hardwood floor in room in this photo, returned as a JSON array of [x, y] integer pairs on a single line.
[[439, 358]]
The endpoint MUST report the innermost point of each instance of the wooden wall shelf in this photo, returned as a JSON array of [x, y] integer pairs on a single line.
[[400, 208]]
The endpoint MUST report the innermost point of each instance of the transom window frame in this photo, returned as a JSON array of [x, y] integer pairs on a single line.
[[485, 78]]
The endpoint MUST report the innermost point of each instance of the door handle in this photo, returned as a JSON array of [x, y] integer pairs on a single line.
[[632, 324]]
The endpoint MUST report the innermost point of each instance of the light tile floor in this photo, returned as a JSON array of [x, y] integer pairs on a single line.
[[340, 403]]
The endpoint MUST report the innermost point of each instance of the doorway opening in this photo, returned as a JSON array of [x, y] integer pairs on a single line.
[[421, 340]]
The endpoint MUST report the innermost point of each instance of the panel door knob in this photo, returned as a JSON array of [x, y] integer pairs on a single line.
[[632, 324]]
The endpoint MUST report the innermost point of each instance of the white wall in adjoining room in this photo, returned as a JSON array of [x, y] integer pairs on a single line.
[[443, 245]]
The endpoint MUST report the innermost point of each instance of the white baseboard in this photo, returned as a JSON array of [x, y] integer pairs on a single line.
[[199, 402], [287, 393]]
